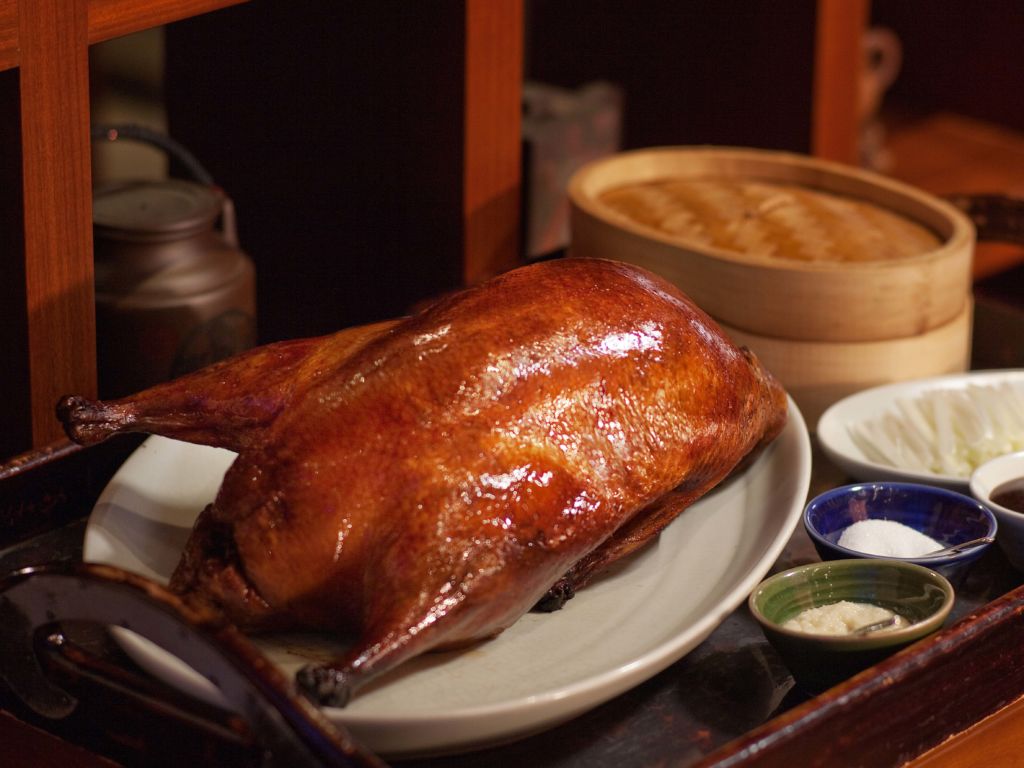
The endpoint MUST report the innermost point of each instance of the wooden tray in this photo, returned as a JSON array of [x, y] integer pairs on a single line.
[[728, 703]]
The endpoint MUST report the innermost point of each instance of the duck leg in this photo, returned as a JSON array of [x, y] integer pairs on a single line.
[[452, 614], [225, 405]]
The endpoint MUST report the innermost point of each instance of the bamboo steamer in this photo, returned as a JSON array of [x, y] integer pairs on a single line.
[[814, 301], [819, 373]]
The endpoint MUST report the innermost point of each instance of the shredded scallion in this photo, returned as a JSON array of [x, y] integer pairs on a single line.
[[946, 431]]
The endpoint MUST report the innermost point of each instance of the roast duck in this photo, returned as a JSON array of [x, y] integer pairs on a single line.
[[422, 483]]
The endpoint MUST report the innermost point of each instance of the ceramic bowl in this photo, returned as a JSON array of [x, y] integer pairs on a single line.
[[946, 516], [817, 662], [987, 478]]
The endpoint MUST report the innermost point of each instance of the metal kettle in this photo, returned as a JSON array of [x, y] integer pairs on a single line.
[[174, 291]]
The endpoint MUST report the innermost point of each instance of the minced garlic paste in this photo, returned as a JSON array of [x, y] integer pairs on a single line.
[[841, 618]]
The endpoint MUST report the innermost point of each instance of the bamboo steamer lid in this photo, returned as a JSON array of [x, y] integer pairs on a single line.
[[785, 298], [820, 373]]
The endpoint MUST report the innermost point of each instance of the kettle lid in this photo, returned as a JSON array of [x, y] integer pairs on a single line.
[[169, 207]]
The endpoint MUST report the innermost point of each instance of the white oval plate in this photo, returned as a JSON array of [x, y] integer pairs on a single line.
[[543, 670], [833, 426]]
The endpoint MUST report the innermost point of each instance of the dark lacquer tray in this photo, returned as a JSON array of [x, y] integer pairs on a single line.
[[70, 694]]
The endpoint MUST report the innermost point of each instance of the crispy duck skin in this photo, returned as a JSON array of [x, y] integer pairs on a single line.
[[422, 483]]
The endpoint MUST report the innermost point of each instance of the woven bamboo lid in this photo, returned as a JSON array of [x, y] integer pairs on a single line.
[[779, 244]]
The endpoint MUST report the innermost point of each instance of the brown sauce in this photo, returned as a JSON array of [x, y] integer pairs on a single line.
[[1010, 495]]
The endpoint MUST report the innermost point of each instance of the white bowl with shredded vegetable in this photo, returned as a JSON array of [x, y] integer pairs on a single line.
[[935, 430]]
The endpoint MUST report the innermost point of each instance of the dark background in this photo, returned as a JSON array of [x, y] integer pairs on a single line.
[[338, 131]]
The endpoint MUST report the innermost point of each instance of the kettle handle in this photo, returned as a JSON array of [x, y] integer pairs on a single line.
[[115, 132], [130, 131]]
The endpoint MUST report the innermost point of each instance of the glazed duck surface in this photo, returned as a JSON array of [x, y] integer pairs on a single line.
[[422, 483]]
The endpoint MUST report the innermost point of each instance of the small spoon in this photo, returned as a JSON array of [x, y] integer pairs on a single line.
[[957, 548], [875, 626]]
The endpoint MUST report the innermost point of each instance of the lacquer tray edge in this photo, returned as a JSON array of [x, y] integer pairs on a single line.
[[903, 707]]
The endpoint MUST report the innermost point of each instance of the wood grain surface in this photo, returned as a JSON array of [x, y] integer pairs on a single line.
[[57, 191], [48, 40], [114, 18], [837, 57], [494, 65]]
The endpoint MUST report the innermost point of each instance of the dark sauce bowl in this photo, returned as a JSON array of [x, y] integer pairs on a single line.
[[986, 481]]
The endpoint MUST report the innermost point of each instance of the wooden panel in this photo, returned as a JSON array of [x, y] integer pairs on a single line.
[[837, 65], [494, 71], [8, 34], [57, 202], [995, 740], [108, 19], [114, 18]]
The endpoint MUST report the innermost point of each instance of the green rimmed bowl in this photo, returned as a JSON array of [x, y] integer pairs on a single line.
[[818, 662]]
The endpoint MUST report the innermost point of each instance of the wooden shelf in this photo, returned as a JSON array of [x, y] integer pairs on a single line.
[[47, 41], [104, 19], [837, 62]]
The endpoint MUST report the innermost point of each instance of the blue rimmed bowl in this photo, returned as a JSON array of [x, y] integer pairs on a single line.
[[948, 517]]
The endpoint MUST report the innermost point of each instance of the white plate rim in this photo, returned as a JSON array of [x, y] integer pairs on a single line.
[[835, 442], [493, 723]]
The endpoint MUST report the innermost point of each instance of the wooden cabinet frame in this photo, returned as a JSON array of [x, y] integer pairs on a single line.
[[47, 41], [838, 60]]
